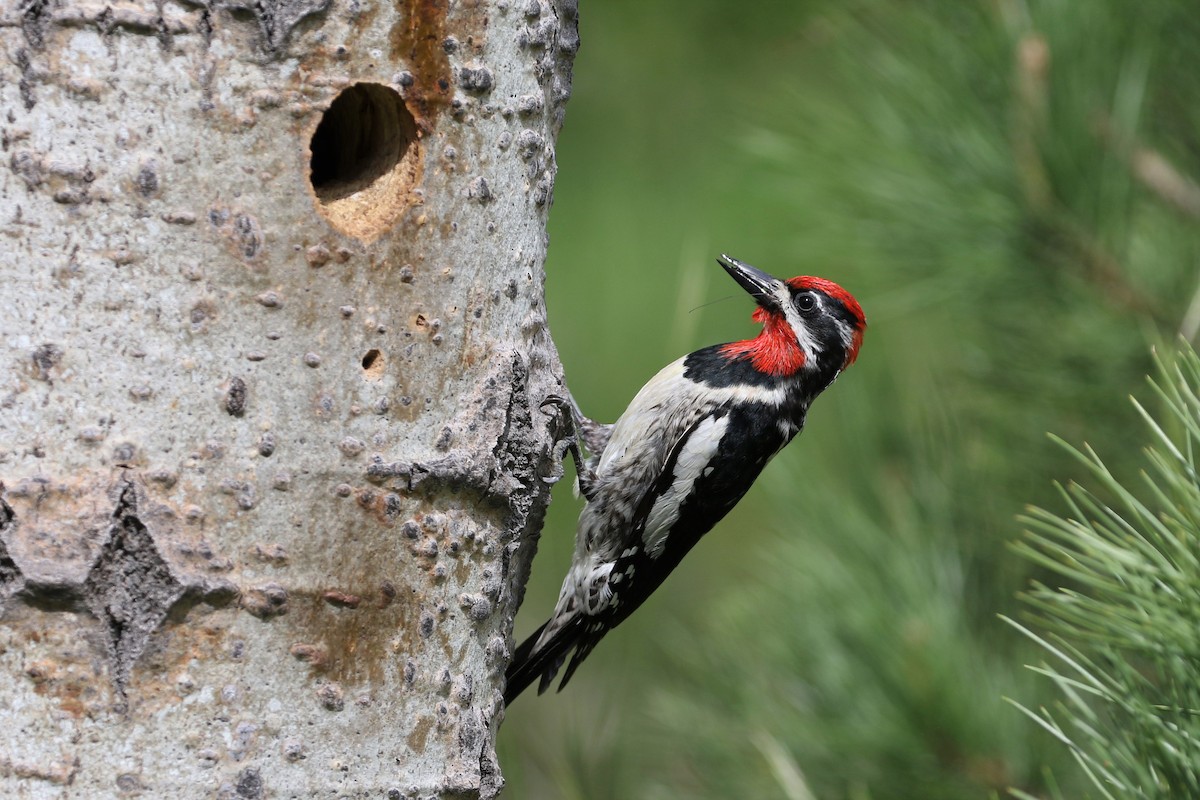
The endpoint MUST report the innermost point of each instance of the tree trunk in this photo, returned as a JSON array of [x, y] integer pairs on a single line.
[[273, 457]]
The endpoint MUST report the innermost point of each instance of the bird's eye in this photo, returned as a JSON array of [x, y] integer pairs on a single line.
[[806, 303]]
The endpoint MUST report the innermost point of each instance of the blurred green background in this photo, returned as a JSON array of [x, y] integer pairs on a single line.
[[1009, 190]]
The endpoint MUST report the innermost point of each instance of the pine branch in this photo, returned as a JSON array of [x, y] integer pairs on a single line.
[[1123, 639]]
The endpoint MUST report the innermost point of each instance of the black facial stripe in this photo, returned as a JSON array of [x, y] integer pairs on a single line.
[[830, 305]]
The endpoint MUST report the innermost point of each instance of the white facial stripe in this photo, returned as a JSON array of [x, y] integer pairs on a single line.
[[804, 337], [696, 455], [846, 331]]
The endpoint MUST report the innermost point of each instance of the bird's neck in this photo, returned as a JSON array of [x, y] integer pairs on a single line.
[[773, 352]]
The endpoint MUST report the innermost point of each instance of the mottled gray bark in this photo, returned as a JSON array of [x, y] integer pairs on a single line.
[[272, 360]]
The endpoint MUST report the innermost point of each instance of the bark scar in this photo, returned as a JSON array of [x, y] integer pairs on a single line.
[[11, 579], [129, 588], [502, 403], [276, 18]]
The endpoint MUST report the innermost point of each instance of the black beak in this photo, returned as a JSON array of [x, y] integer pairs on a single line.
[[761, 286]]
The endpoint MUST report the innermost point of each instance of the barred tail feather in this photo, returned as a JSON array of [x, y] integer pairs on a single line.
[[530, 663], [583, 647]]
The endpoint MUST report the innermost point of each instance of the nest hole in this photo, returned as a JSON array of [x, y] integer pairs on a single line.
[[365, 160]]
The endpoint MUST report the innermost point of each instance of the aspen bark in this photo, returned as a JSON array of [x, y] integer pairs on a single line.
[[273, 361]]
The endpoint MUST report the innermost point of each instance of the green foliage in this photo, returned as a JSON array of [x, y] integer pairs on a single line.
[[1125, 633], [975, 174], [862, 661]]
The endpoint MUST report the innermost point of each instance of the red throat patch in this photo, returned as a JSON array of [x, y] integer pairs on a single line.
[[774, 351]]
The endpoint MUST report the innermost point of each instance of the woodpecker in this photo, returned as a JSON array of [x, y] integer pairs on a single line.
[[685, 451]]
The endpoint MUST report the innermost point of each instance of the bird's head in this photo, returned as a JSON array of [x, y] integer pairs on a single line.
[[809, 324]]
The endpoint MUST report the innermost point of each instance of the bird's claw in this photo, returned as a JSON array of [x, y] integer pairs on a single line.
[[564, 413]]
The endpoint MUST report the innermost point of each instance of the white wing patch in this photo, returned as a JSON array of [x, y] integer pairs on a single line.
[[694, 460], [686, 399]]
